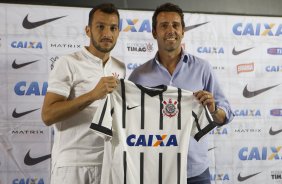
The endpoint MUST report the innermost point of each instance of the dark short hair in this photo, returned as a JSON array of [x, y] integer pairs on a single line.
[[167, 7], [105, 8]]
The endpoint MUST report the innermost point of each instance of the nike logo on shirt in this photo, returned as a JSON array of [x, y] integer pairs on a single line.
[[250, 94], [33, 161], [237, 52], [17, 115], [17, 66], [274, 132], [243, 178], [130, 108], [188, 28], [31, 25]]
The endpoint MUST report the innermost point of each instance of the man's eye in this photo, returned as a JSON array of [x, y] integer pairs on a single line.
[[114, 28], [100, 27]]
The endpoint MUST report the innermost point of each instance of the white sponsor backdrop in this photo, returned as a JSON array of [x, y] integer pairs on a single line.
[[245, 52]]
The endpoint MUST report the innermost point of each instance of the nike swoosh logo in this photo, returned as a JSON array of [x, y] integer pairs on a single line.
[[31, 25], [272, 132], [188, 28], [17, 115], [234, 52], [250, 94], [243, 178], [130, 108], [32, 161], [17, 66], [211, 148]]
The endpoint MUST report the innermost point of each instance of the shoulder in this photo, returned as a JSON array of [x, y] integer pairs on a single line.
[[147, 66], [198, 62]]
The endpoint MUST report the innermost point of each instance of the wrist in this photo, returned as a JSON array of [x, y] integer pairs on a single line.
[[216, 109]]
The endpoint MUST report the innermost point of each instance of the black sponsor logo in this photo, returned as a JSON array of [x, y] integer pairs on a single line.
[[188, 28], [27, 132], [17, 115], [250, 94], [274, 132], [237, 52], [65, 45], [31, 25], [130, 108], [243, 178], [28, 160], [17, 66]]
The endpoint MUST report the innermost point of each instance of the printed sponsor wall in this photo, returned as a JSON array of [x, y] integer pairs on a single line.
[[245, 52]]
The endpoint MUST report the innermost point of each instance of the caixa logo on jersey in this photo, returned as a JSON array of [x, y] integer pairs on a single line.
[[210, 50], [151, 140], [247, 112], [274, 51], [27, 44], [24, 88], [28, 181], [135, 25], [260, 153], [259, 29]]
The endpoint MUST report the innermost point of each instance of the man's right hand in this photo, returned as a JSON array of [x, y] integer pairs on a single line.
[[105, 86]]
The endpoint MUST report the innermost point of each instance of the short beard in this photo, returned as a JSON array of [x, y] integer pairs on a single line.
[[97, 46]]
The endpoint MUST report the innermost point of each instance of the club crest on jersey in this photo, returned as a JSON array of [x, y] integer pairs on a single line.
[[170, 108]]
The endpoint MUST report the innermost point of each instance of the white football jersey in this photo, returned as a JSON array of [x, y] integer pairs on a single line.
[[149, 130]]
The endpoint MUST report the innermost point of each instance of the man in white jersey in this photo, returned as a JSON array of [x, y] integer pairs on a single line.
[[76, 84], [150, 130], [175, 67]]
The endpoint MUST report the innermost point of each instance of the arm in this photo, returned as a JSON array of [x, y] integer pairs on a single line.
[[57, 107]]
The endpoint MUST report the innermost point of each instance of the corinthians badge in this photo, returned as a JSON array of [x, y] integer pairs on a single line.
[[170, 108]]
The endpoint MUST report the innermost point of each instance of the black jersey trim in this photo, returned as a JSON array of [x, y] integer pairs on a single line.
[[142, 110], [212, 124], [160, 168], [178, 168], [103, 112], [123, 103], [141, 168], [152, 91], [101, 129], [161, 112], [124, 167], [179, 108]]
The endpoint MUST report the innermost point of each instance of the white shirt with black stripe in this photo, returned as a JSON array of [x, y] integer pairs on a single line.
[[149, 130]]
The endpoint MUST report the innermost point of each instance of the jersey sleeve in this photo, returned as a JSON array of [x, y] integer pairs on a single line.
[[203, 121], [102, 120], [61, 77]]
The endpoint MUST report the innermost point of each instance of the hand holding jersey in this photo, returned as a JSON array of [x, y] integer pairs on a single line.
[[105, 85], [206, 98]]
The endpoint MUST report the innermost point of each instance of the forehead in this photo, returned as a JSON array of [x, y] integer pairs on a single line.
[[106, 18], [168, 17]]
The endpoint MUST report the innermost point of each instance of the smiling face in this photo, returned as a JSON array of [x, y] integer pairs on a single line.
[[103, 32], [169, 32]]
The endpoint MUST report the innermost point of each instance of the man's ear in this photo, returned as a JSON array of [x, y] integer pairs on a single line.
[[88, 31], [154, 34]]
